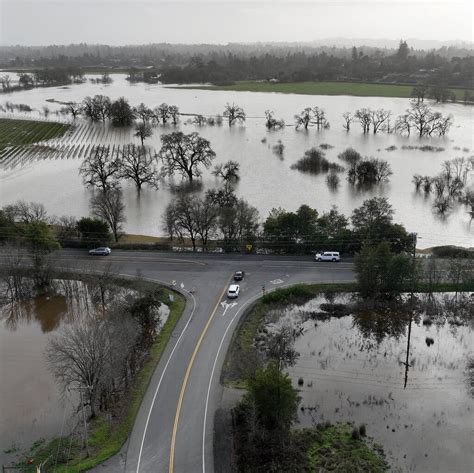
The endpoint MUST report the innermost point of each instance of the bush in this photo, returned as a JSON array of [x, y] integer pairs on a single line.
[[314, 162]]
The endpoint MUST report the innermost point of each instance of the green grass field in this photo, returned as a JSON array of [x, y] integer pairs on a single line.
[[324, 88], [24, 132]]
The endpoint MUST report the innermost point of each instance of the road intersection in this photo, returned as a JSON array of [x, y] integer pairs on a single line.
[[173, 431]]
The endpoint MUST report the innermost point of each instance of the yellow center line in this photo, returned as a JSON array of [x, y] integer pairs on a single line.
[[186, 376]]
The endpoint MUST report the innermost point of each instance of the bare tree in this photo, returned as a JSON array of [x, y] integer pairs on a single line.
[[100, 169], [97, 108], [419, 92], [185, 153], [320, 118], [180, 219], [403, 124], [228, 171], [26, 212], [379, 119], [14, 284], [364, 116], [205, 214], [108, 206], [74, 109], [137, 165], [347, 120], [143, 112], [305, 118], [79, 358], [234, 114], [271, 122], [420, 117], [237, 222], [173, 112], [143, 130], [162, 113]]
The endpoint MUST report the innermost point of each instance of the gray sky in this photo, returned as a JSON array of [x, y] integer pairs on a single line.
[[36, 22]]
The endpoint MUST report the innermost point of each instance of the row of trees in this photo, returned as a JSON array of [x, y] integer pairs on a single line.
[[47, 77], [234, 223], [169, 63], [449, 185]]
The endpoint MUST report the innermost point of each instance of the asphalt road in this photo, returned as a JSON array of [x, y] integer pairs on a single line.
[[173, 431]]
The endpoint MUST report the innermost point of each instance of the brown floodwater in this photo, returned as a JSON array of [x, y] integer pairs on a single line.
[[33, 406], [354, 369]]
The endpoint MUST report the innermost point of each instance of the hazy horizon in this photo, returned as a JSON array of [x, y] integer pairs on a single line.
[[126, 22]]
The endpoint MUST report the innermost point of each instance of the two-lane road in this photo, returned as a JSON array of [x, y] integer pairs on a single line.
[[173, 431]]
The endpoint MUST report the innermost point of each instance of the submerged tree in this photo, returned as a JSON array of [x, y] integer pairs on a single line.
[[228, 171], [234, 114], [143, 130], [100, 169], [185, 153], [137, 165]]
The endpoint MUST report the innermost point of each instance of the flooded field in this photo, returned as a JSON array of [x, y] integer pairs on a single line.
[[33, 406], [50, 174], [353, 368]]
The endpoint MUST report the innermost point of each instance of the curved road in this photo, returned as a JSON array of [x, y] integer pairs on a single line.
[[173, 431]]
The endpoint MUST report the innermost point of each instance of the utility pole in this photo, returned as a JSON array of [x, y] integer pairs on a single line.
[[412, 306]]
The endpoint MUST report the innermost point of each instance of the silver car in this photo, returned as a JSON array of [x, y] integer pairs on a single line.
[[101, 251]]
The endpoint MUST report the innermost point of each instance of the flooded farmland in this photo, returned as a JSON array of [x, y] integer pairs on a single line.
[[50, 175], [354, 368]]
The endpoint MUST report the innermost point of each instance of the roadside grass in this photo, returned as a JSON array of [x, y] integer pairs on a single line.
[[106, 437], [324, 88], [335, 449], [24, 132]]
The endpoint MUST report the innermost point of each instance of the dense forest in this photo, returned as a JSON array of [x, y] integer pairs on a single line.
[[446, 66]]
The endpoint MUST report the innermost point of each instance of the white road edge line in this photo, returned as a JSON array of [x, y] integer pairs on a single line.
[[214, 368], [164, 371], [217, 356]]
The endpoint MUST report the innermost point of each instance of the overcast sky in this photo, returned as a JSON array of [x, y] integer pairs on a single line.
[[39, 22]]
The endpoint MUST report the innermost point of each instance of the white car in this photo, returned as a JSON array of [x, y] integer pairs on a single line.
[[233, 291], [328, 256], [101, 251]]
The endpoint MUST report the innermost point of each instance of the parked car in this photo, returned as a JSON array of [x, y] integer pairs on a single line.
[[233, 291], [101, 251], [328, 256], [239, 275]]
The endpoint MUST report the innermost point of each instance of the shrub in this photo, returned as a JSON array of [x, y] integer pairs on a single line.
[[314, 162]]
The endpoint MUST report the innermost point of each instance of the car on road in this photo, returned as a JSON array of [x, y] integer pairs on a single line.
[[239, 275], [101, 251], [328, 256], [233, 291]]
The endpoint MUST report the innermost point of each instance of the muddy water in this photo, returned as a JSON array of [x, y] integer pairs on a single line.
[[32, 404], [427, 426], [266, 180]]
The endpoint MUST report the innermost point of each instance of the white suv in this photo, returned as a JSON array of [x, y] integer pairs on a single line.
[[328, 256], [233, 291]]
